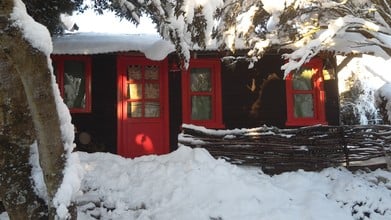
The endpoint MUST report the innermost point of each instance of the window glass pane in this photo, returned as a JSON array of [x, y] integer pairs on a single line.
[[135, 91], [134, 72], [152, 90], [135, 110], [303, 79], [74, 84], [151, 73], [152, 109], [304, 106], [200, 80], [201, 107]]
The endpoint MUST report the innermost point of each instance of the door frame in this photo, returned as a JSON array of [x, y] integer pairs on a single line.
[[122, 60]]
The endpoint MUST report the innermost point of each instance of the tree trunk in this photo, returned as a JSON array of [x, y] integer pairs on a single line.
[[33, 80], [16, 136]]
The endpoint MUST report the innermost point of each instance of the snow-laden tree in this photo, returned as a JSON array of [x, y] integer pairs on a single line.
[[305, 26], [49, 13]]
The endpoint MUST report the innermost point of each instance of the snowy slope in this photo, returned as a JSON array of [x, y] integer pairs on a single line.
[[190, 184]]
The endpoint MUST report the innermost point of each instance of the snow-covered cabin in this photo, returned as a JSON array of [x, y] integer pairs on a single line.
[[128, 96]]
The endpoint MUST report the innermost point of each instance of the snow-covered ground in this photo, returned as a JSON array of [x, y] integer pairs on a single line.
[[189, 184]]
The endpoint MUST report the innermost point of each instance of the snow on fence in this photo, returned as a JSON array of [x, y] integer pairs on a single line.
[[309, 148]]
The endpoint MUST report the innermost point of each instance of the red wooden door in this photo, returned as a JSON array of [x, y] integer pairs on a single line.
[[142, 106]]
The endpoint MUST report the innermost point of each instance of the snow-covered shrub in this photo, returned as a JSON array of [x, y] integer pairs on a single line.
[[383, 102], [358, 103]]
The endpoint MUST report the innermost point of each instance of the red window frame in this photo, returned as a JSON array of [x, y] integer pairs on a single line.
[[216, 120], [317, 93], [59, 61]]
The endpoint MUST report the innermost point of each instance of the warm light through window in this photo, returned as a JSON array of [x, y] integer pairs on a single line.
[[143, 91]]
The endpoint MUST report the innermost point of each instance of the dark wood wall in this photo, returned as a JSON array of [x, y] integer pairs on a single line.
[[175, 107], [101, 123], [332, 101], [257, 96], [253, 97], [331, 90], [250, 98]]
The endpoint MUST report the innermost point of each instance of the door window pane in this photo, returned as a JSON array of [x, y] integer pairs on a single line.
[[201, 108], [304, 106], [152, 90], [135, 110], [303, 79], [152, 109], [200, 80], [151, 73], [74, 84], [143, 91], [135, 91], [134, 72]]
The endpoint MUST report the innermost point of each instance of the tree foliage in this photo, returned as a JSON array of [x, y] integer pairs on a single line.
[[304, 25], [48, 12], [357, 103], [307, 26]]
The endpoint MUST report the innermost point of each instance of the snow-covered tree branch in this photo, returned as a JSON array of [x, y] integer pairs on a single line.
[[305, 25]]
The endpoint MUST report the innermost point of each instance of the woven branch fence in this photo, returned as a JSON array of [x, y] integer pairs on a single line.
[[309, 148]]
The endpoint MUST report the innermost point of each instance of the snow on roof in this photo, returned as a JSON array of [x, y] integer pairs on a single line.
[[153, 46], [156, 48]]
